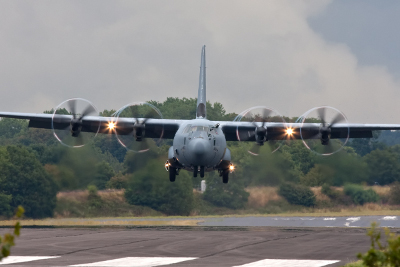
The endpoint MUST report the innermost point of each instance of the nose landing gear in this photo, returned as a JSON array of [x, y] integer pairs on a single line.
[[196, 170]]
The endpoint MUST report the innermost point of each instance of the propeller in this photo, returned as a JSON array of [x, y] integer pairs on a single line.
[[318, 123], [131, 129], [259, 117], [67, 122]]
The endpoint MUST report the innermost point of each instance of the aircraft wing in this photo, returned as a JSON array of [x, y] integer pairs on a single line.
[[236, 131], [153, 127]]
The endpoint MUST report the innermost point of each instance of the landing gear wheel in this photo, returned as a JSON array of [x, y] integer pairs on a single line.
[[195, 170], [202, 171], [172, 174], [225, 176]]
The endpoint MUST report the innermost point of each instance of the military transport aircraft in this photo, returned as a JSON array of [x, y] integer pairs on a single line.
[[199, 145]]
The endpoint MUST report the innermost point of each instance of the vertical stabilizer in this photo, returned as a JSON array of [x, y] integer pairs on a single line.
[[201, 97]]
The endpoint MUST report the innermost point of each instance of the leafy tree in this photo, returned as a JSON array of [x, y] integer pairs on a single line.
[[7, 241], [23, 177], [383, 167], [185, 109], [10, 128], [390, 138], [231, 195], [5, 207], [104, 172], [297, 194], [272, 168], [136, 161], [320, 174], [108, 143], [119, 181], [94, 200], [359, 195], [151, 187], [304, 159], [364, 146], [63, 176], [384, 255], [347, 167]]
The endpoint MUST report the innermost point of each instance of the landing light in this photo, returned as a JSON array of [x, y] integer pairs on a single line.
[[289, 131], [231, 168], [111, 125], [167, 165]]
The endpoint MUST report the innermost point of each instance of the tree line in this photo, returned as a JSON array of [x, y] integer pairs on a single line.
[[35, 166]]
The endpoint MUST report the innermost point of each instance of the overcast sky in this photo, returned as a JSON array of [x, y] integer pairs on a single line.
[[289, 55]]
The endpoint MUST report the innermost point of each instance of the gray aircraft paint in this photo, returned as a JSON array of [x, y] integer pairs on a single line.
[[192, 147], [200, 142], [201, 111]]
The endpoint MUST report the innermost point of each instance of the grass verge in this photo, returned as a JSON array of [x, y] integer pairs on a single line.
[[101, 222]]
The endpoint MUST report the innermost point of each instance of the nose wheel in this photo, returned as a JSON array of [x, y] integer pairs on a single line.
[[196, 171]]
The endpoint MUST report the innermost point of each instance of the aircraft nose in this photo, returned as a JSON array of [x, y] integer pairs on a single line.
[[199, 150], [198, 147]]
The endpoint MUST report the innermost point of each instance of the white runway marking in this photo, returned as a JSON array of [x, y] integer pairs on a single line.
[[18, 259], [288, 263], [389, 218], [137, 262], [329, 219], [353, 219]]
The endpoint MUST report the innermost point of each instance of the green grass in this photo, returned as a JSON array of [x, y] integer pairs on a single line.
[[355, 264]]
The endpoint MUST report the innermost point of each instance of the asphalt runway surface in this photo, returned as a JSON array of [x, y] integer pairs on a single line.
[[260, 221], [188, 246], [349, 221]]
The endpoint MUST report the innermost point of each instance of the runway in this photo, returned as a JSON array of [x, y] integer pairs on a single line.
[[327, 221], [188, 246], [244, 221]]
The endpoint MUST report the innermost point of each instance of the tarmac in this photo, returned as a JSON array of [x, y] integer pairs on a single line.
[[188, 246]]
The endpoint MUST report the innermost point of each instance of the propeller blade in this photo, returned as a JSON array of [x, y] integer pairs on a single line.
[[255, 150], [89, 109], [144, 145], [321, 114], [338, 118], [72, 107], [79, 140], [266, 114], [327, 149], [273, 145]]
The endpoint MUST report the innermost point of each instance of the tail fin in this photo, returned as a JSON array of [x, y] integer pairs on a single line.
[[201, 97]]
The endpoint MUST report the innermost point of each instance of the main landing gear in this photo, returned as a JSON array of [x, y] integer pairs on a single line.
[[172, 174], [225, 176]]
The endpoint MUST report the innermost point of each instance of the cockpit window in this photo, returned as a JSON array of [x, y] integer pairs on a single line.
[[191, 128], [187, 128], [199, 129]]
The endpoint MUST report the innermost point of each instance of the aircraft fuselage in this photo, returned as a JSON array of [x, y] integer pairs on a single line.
[[199, 143]]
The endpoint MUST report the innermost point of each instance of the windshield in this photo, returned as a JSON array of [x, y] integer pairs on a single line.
[[191, 128], [199, 129]]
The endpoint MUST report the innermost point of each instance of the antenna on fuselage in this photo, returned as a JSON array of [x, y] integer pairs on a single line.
[[201, 97]]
